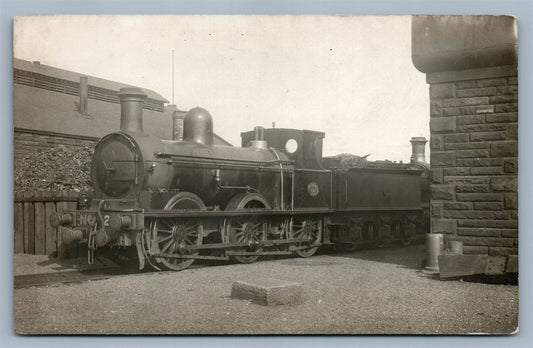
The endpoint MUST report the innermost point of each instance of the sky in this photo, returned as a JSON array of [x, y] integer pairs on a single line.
[[349, 76]]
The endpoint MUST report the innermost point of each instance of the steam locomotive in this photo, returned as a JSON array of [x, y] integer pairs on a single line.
[[173, 202]]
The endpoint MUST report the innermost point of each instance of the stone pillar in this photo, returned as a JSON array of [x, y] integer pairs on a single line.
[[474, 128]]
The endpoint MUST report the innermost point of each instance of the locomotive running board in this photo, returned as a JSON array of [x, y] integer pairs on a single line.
[[247, 212]]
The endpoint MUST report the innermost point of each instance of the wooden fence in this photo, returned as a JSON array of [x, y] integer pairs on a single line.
[[33, 232]]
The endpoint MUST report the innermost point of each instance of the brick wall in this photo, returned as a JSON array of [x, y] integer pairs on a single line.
[[474, 158]]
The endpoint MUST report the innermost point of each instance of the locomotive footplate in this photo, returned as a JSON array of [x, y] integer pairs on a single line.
[[218, 213]]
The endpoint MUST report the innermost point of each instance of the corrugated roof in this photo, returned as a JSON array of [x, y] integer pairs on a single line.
[[75, 77]]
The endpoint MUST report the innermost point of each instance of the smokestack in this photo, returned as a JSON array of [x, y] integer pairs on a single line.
[[419, 150], [84, 94], [131, 109]]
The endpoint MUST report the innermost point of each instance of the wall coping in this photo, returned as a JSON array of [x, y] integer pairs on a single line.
[[472, 74]]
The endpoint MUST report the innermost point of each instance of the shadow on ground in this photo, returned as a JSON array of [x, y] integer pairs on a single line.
[[404, 256]]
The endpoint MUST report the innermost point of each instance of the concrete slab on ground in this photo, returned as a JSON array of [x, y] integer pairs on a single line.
[[268, 292]]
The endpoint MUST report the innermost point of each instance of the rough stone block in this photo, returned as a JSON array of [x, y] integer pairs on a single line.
[[457, 111], [436, 209], [269, 292], [512, 131], [435, 142], [455, 171], [465, 101], [491, 82], [456, 138], [475, 250], [465, 84], [442, 124], [510, 165], [504, 149], [476, 92], [488, 136], [479, 197], [506, 107], [443, 226], [472, 153], [466, 146], [495, 265], [486, 170], [462, 188], [442, 159], [471, 180], [488, 127], [437, 176], [435, 108], [502, 251], [502, 215], [504, 184], [458, 205], [502, 99], [442, 192], [470, 119], [488, 241], [512, 80], [479, 232], [510, 201], [441, 91], [454, 265], [489, 224], [468, 214], [479, 162], [488, 206], [507, 90], [484, 109], [509, 233], [512, 264]]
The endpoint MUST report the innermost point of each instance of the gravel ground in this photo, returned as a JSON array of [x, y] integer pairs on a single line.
[[364, 292]]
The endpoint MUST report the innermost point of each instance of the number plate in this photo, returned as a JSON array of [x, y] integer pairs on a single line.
[[85, 219]]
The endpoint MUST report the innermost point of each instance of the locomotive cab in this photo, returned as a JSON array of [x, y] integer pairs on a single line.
[[304, 147]]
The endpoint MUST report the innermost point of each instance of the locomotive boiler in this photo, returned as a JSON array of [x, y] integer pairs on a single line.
[[177, 201]]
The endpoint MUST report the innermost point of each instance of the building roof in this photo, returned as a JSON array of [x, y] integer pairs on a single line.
[[47, 99], [41, 109], [36, 67]]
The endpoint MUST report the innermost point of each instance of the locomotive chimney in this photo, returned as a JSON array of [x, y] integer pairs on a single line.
[[419, 150], [131, 111]]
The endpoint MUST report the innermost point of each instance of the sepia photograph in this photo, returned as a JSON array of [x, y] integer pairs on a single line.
[[265, 175]]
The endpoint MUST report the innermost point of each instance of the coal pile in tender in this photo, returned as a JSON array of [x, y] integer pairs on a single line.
[[346, 161], [55, 169]]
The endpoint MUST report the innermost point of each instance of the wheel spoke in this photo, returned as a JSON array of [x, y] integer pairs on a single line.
[[164, 231], [165, 223], [164, 239], [191, 227], [165, 248]]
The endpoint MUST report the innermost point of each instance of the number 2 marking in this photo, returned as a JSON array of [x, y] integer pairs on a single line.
[[106, 220]]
